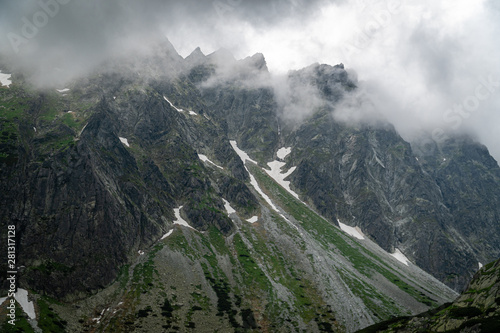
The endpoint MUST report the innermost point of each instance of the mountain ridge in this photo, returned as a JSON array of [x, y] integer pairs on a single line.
[[123, 155]]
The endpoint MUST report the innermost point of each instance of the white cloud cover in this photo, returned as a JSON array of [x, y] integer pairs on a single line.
[[431, 64], [428, 65]]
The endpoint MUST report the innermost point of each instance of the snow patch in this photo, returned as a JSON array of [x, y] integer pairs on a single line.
[[98, 319], [167, 234], [205, 159], [62, 90], [254, 183], [289, 222], [352, 231], [141, 253], [34, 128], [253, 219], [5, 79], [400, 256], [230, 210], [179, 220], [172, 105], [480, 265], [84, 127], [279, 177], [192, 113], [22, 298], [284, 152], [244, 157], [124, 141]]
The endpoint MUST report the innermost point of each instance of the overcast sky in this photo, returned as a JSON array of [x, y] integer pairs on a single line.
[[429, 64]]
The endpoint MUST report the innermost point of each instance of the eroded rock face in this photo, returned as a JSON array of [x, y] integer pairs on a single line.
[[424, 201], [84, 201], [371, 178]]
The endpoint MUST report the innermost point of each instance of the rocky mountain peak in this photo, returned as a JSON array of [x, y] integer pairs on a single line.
[[161, 178], [196, 57], [257, 61]]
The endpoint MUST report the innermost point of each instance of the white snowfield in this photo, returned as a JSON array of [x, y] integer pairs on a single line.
[[205, 159], [179, 220], [352, 231], [400, 256], [480, 265], [230, 210], [279, 177], [22, 299], [167, 234], [5, 79], [62, 90], [253, 219], [98, 319], [283, 152], [178, 109], [244, 157], [124, 141]]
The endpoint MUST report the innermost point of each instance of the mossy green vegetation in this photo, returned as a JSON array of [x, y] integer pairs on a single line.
[[363, 261], [48, 320], [254, 276], [50, 267]]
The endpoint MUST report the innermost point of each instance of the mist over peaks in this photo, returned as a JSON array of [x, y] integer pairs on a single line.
[[425, 67]]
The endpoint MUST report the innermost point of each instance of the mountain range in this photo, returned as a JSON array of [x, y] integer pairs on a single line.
[[201, 194]]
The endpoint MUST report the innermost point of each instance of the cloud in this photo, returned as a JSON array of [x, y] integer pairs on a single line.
[[427, 65]]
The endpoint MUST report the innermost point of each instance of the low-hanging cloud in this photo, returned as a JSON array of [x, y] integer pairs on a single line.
[[427, 65], [430, 66]]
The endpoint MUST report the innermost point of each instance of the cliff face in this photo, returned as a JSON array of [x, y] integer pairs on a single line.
[[468, 177], [148, 155], [424, 200], [83, 201], [370, 178]]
